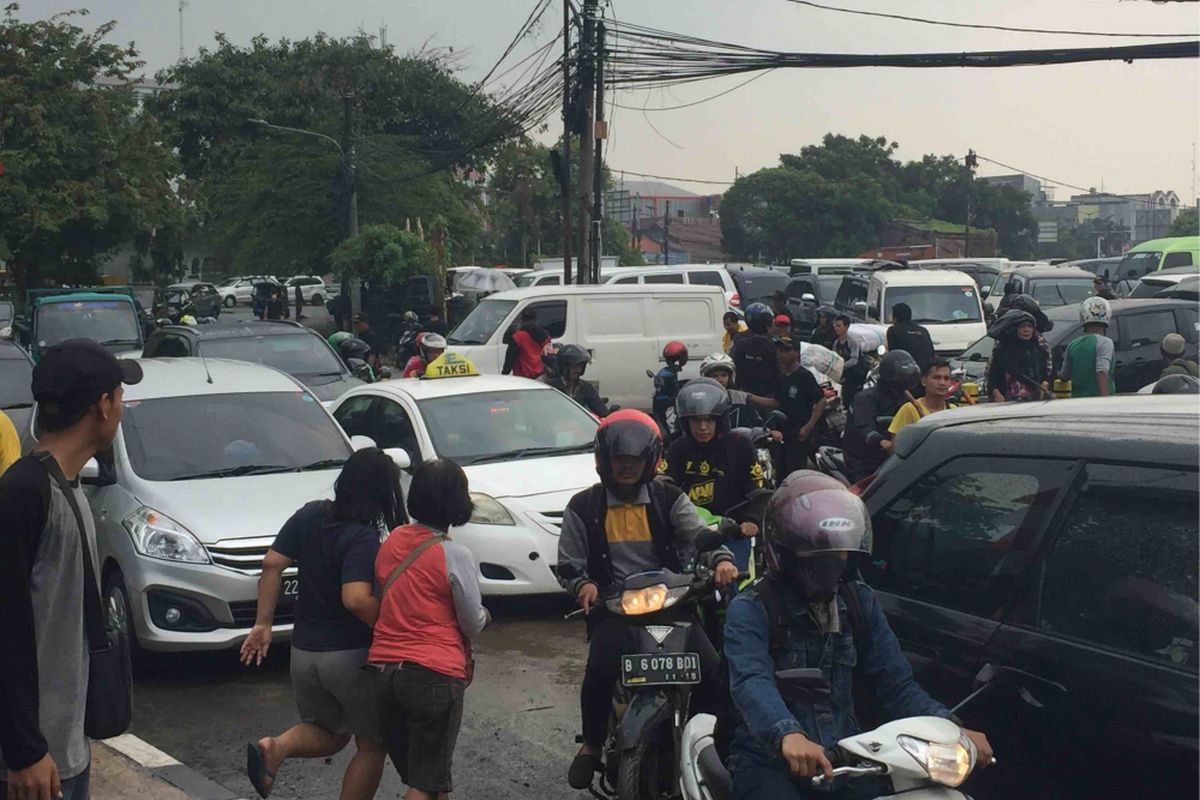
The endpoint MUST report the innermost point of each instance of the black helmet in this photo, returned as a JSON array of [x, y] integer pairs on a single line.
[[1006, 326], [569, 355], [702, 397], [829, 312], [810, 520], [627, 432], [759, 317], [1026, 303], [1177, 384], [899, 369], [354, 348]]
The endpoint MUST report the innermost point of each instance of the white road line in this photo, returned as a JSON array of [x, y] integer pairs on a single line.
[[140, 751]]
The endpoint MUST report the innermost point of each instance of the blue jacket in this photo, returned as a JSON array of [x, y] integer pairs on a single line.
[[765, 718]]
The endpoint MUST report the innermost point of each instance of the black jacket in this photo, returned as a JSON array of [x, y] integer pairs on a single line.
[[754, 361], [585, 394], [863, 435], [715, 476], [912, 338]]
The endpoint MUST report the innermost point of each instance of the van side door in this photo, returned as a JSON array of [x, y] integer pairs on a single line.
[[613, 330], [693, 319]]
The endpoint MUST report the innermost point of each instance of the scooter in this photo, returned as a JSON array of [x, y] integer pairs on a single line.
[[926, 758], [650, 704]]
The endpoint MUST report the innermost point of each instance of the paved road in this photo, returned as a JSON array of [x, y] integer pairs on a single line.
[[518, 731]]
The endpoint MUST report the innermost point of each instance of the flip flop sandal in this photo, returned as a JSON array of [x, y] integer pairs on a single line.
[[256, 770]]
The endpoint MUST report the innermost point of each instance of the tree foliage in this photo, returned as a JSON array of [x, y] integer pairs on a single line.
[[1186, 224], [84, 171], [837, 198], [383, 253]]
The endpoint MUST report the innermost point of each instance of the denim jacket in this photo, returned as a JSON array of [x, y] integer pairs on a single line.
[[764, 718]]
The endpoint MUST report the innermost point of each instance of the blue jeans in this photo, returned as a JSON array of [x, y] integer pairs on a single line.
[[77, 788]]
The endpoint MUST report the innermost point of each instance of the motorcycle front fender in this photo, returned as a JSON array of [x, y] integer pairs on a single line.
[[646, 711]]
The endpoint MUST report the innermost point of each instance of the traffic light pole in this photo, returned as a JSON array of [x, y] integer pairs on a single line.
[[565, 189], [587, 140]]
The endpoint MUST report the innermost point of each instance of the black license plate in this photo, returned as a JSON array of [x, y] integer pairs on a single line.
[[290, 587], [658, 669]]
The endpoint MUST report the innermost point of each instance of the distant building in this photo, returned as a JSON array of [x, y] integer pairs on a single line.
[[1025, 183], [643, 200], [1140, 216]]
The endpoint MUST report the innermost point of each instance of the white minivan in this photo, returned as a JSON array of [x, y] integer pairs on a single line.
[[624, 328], [945, 301]]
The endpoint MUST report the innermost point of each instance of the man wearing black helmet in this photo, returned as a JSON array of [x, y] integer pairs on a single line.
[[625, 524], [810, 611], [754, 353], [567, 376], [867, 442], [716, 469]]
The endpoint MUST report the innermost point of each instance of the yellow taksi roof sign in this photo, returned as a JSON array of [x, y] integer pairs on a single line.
[[449, 365]]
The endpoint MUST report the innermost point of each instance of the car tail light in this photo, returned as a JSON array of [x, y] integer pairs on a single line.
[[736, 300]]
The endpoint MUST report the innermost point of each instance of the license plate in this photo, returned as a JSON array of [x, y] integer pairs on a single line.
[[658, 669], [290, 587]]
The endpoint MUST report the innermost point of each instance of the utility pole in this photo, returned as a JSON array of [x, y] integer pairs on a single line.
[[350, 283], [666, 248], [972, 163], [587, 140], [601, 134], [566, 145], [182, 6]]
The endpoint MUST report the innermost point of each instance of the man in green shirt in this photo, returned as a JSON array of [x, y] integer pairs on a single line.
[[1089, 360], [1173, 347]]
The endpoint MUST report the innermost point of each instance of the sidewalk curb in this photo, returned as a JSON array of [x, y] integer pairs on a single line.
[[167, 768]]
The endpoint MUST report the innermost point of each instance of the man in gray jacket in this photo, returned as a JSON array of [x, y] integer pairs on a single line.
[[43, 674]]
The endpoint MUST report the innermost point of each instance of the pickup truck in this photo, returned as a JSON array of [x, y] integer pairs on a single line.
[[109, 315]]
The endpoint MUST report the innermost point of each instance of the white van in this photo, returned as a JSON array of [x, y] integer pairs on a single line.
[[624, 328], [554, 277], [945, 301], [688, 274]]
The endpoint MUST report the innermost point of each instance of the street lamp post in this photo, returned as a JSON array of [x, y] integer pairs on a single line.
[[349, 282]]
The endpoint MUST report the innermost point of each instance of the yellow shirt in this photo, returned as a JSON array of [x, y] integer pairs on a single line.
[[10, 443], [909, 414], [727, 341]]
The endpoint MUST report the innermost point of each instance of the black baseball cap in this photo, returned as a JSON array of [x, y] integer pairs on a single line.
[[75, 373], [786, 343]]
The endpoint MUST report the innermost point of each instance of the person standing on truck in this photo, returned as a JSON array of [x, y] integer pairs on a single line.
[[524, 355]]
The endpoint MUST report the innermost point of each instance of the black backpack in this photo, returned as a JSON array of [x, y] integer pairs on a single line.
[[727, 714]]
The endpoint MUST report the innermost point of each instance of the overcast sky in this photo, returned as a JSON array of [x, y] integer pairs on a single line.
[[1128, 126]]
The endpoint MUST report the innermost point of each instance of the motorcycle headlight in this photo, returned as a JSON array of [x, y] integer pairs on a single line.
[[488, 511], [633, 602], [948, 764], [155, 535]]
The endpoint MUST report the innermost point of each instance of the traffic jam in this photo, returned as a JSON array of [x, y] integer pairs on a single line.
[[930, 533]]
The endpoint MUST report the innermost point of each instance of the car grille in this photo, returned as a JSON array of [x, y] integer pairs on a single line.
[[245, 612], [552, 521], [242, 555]]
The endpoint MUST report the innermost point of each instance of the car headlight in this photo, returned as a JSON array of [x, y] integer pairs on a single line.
[[155, 535], [948, 764], [488, 511], [633, 602]]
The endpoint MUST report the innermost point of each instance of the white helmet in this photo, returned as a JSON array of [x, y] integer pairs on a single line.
[[715, 363], [1095, 311]]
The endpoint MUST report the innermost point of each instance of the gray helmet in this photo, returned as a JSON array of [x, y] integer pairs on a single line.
[[569, 355], [702, 397], [898, 368]]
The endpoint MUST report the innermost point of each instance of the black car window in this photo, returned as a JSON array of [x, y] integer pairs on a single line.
[[1183, 259], [1123, 571], [354, 416], [551, 316], [1187, 320], [672, 277], [945, 538], [1148, 328], [707, 278], [758, 285], [798, 288], [171, 346], [395, 429]]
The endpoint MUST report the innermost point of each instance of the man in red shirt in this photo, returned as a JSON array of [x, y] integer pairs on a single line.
[[524, 355]]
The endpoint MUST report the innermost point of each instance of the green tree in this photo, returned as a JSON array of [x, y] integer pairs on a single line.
[[84, 171], [1186, 224], [276, 200], [383, 253]]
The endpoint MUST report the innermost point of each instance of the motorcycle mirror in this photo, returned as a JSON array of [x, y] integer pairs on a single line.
[[802, 686], [987, 673]]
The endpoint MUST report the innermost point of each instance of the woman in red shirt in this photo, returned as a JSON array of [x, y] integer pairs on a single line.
[[430, 609]]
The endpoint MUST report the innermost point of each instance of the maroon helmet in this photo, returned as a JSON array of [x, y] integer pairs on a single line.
[[627, 432]]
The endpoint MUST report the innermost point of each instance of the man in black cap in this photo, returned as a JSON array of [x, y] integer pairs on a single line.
[[44, 671]]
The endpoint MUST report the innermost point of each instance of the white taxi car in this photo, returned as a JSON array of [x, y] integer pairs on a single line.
[[526, 448]]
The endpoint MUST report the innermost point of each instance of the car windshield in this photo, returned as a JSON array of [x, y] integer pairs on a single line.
[[1140, 263], [936, 304], [299, 354], [100, 320], [499, 425], [16, 375], [527, 279], [1051, 292], [829, 285], [230, 434], [980, 351], [482, 322]]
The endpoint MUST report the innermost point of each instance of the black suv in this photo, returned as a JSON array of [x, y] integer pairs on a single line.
[[287, 346], [1137, 331], [805, 294], [851, 297], [1056, 541]]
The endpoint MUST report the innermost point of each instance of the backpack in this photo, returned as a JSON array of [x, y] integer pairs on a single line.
[[727, 714]]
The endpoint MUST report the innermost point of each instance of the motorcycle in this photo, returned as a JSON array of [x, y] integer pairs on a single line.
[[650, 704], [926, 758]]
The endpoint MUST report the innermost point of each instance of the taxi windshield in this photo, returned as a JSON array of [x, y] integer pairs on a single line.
[[502, 425]]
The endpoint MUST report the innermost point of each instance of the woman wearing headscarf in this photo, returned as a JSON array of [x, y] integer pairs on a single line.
[[1018, 370]]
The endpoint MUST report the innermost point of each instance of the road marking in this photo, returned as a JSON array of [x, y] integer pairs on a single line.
[[141, 751]]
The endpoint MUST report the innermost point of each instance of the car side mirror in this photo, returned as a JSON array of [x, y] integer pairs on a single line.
[[400, 456], [360, 442], [808, 297], [976, 356], [802, 686], [986, 675], [860, 306], [985, 291]]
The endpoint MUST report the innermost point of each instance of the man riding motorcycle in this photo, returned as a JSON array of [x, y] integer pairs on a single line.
[[715, 468], [812, 611], [666, 384], [625, 524], [570, 362], [867, 442], [429, 347], [754, 353], [743, 406]]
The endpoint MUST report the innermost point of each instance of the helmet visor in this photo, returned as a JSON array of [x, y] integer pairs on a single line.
[[630, 438]]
